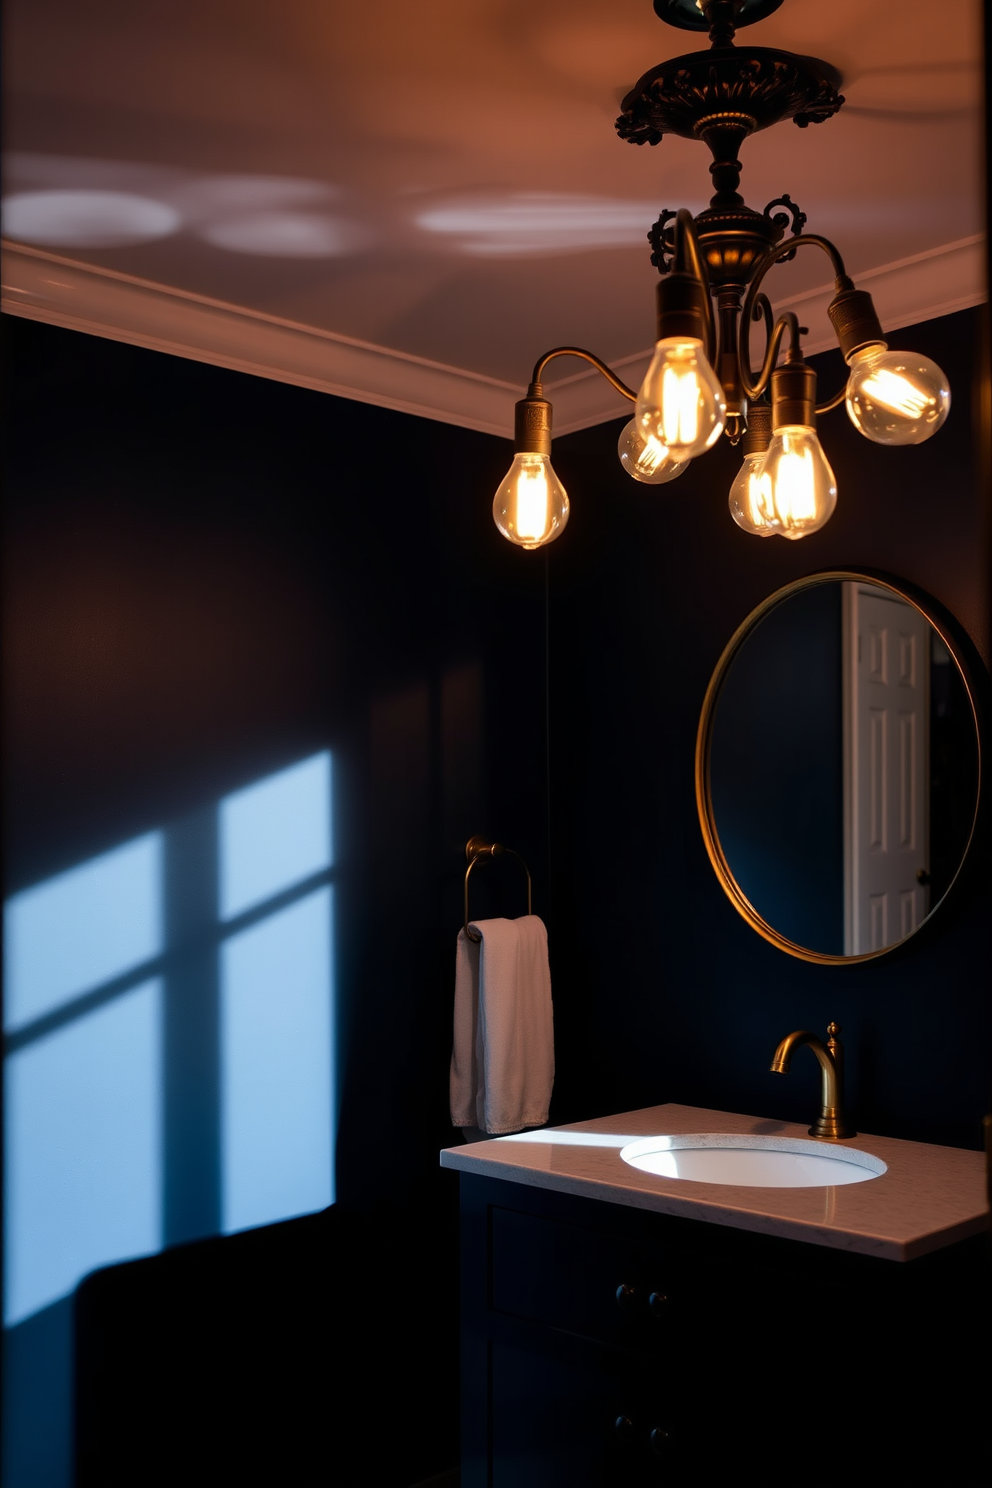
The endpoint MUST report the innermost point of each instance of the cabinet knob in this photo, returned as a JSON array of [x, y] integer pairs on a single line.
[[658, 1305], [627, 1297], [624, 1428], [661, 1440]]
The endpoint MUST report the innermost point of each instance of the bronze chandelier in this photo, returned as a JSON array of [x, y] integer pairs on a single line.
[[701, 384]]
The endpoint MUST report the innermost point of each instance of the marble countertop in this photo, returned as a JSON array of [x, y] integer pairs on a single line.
[[928, 1197]]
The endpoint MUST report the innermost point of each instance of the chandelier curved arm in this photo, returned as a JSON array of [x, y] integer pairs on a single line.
[[788, 321], [835, 401], [535, 390], [757, 304], [804, 240], [684, 237], [753, 384]]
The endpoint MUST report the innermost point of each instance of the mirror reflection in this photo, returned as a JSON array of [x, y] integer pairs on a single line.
[[843, 768]]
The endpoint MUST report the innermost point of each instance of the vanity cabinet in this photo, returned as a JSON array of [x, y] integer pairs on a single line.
[[604, 1345]]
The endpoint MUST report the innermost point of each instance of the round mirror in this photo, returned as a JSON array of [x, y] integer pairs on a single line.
[[838, 766]]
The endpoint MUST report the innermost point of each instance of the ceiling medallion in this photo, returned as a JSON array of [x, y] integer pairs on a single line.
[[701, 383]]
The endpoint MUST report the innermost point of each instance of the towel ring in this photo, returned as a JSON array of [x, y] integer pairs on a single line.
[[477, 848]]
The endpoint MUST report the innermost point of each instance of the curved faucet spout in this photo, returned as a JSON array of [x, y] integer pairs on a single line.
[[782, 1057], [831, 1122]]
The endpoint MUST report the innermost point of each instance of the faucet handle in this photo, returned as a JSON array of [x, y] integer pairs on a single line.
[[833, 1029]]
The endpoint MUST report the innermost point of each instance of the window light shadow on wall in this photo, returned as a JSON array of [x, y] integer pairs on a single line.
[[169, 1022]]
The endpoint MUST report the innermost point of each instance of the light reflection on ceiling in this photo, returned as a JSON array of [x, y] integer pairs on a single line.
[[86, 219], [534, 223], [282, 217], [118, 203], [286, 235]]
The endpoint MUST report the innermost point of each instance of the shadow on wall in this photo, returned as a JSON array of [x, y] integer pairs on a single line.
[[169, 1065]]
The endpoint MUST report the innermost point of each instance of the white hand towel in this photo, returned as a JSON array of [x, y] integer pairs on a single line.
[[503, 1059]]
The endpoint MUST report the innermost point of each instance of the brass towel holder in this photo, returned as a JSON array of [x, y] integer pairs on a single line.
[[476, 849]]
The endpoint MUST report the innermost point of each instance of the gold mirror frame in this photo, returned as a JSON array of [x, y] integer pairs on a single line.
[[704, 737]]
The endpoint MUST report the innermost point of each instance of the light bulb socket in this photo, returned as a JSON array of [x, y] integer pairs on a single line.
[[681, 307], [758, 434], [852, 315], [532, 427], [793, 396]]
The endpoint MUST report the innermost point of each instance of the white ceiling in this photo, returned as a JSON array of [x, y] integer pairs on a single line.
[[408, 202]]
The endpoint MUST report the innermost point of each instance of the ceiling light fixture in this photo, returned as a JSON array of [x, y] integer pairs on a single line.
[[700, 383]]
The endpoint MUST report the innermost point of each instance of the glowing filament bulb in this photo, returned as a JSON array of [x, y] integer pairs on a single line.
[[681, 403], [801, 489], [896, 394], [751, 504], [531, 507], [646, 458], [653, 452], [532, 504], [679, 407], [896, 397], [794, 486]]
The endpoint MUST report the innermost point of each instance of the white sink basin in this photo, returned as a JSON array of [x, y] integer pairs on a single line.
[[752, 1161]]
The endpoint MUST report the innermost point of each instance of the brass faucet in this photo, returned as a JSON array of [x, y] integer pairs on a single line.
[[831, 1121]]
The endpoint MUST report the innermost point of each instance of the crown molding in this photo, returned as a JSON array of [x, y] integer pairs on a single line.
[[102, 302]]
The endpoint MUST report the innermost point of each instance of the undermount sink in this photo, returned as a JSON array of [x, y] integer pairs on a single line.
[[748, 1161]]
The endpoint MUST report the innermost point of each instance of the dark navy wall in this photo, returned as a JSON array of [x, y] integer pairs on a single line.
[[663, 992]]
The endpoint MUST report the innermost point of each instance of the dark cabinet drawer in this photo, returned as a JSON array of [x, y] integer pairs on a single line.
[[581, 1418], [596, 1284]]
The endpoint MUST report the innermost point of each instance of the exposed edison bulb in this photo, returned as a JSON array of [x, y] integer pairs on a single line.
[[646, 458], [796, 483], [531, 507], [681, 402], [751, 503], [896, 397]]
